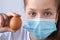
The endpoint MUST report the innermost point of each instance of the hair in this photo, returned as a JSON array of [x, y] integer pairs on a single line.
[[55, 35]]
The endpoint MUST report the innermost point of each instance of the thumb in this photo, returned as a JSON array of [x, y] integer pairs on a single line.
[[6, 29]]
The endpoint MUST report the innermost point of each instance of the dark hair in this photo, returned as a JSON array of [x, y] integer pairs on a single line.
[[55, 35], [58, 23]]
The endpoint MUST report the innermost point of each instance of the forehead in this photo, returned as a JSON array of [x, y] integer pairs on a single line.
[[41, 4]]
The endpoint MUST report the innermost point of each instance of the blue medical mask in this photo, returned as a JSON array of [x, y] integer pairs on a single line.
[[40, 28]]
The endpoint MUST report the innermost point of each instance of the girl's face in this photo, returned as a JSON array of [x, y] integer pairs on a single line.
[[41, 9]]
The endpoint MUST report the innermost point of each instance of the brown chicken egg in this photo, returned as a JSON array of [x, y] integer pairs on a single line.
[[15, 23]]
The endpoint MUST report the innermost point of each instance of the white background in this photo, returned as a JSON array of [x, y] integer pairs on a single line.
[[12, 5]]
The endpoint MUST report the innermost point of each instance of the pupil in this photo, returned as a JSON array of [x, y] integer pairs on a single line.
[[33, 13], [47, 14]]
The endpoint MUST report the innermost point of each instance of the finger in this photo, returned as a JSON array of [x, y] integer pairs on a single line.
[[10, 30], [12, 14], [3, 30], [6, 29]]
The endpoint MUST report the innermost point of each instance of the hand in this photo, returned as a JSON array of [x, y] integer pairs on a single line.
[[6, 28]]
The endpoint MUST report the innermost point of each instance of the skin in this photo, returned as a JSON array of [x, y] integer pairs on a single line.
[[7, 28], [41, 9], [36, 9]]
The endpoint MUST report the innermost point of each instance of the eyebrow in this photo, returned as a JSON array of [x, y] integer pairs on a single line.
[[44, 9], [48, 9], [32, 9]]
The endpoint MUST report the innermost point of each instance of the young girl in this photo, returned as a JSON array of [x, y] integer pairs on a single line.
[[43, 22]]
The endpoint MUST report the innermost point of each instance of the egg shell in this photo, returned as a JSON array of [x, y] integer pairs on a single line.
[[15, 23]]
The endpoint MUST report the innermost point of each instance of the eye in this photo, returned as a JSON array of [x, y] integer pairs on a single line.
[[47, 13], [32, 14]]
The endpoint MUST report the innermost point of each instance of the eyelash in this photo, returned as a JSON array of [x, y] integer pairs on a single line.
[[32, 14], [47, 13]]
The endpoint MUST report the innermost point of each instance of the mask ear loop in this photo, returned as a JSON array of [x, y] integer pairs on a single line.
[[57, 16], [58, 32]]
